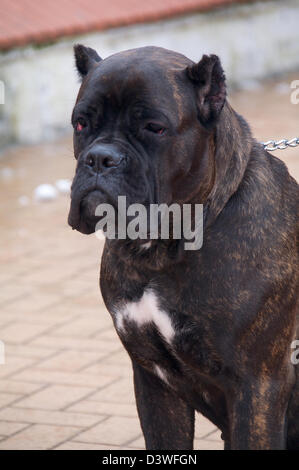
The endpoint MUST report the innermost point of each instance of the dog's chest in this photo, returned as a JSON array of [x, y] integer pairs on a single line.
[[146, 312], [156, 337], [148, 333]]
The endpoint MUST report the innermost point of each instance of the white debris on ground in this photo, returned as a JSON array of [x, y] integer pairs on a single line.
[[45, 193], [283, 88], [251, 85], [6, 173], [24, 201], [63, 186]]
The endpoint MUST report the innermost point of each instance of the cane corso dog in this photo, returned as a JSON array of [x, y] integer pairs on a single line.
[[209, 330]]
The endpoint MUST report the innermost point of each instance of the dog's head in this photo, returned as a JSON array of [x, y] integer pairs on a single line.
[[143, 128]]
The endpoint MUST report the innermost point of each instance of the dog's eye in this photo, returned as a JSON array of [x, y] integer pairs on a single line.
[[155, 128], [80, 124]]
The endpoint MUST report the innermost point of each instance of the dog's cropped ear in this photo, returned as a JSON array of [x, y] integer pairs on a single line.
[[209, 80], [85, 58]]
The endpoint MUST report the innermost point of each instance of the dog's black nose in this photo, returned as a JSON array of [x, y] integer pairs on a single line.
[[101, 157]]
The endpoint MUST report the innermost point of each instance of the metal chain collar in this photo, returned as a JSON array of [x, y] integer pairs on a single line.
[[282, 144]]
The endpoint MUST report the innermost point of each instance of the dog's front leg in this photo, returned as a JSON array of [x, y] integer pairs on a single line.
[[166, 420], [257, 415]]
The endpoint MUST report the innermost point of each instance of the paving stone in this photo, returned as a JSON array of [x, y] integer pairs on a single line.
[[108, 335], [121, 391], [214, 436], [21, 332], [96, 381], [203, 426], [137, 444], [50, 341], [70, 361], [7, 398], [63, 418], [82, 328], [204, 444], [75, 445], [117, 430], [7, 428], [21, 350], [12, 291], [119, 358], [117, 370], [103, 408], [38, 437], [35, 303], [14, 386], [14, 364], [54, 397]]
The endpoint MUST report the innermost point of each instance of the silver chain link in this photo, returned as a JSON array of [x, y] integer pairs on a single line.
[[282, 144]]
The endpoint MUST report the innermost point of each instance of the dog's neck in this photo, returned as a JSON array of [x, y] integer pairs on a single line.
[[233, 144]]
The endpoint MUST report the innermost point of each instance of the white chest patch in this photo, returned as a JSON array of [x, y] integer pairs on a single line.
[[145, 311]]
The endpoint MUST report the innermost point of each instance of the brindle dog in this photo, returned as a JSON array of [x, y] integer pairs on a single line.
[[207, 330]]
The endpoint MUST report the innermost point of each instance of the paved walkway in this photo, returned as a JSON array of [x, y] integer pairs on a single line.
[[67, 382]]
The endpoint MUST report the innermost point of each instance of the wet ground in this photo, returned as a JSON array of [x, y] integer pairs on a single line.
[[66, 382]]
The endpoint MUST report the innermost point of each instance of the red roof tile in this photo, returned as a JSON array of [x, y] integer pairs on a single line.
[[26, 21]]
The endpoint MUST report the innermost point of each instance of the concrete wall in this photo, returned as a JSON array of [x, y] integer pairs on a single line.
[[253, 41]]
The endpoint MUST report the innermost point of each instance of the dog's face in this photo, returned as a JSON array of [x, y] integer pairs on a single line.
[[143, 124]]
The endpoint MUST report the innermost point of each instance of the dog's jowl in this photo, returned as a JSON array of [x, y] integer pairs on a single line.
[[207, 330]]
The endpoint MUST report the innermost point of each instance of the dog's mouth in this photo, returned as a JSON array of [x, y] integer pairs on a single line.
[[82, 214], [102, 204]]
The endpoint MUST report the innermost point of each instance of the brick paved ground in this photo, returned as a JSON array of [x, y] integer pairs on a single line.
[[67, 383]]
